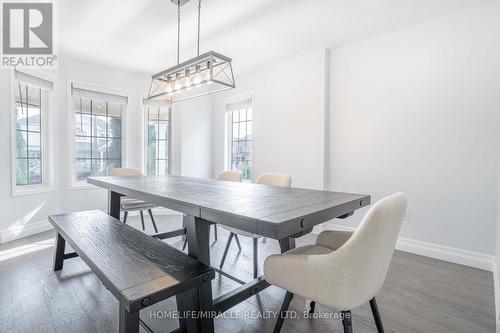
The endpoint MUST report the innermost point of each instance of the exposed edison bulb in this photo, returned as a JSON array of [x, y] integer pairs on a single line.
[[197, 76], [178, 83], [187, 79]]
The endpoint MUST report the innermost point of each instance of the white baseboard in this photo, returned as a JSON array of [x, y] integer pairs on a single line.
[[436, 251], [496, 281], [24, 231]]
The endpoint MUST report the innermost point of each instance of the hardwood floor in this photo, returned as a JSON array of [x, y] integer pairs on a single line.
[[420, 294]]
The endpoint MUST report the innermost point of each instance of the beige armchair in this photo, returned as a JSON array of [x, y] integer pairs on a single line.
[[268, 178], [130, 204], [343, 270]]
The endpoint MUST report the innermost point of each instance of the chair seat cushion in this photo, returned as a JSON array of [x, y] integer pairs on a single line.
[[240, 232], [135, 204]]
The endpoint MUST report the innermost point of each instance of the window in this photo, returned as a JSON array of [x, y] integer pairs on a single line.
[[157, 139], [97, 133], [30, 139], [28, 135], [240, 138]]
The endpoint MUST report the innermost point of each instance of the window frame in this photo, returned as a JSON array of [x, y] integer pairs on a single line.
[[46, 136], [73, 184], [228, 142], [145, 136]]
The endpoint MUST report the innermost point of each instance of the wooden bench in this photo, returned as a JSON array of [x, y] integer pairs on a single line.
[[137, 269]]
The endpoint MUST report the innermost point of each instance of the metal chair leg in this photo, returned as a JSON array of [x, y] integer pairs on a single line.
[[347, 321], [185, 243], [237, 241], [376, 315], [284, 308], [125, 215], [152, 220], [231, 235], [142, 220], [255, 257], [215, 232]]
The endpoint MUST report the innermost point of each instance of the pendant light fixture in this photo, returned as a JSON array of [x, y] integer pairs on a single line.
[[204, 74]]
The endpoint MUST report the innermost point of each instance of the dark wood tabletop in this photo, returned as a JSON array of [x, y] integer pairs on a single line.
[[271, 211]]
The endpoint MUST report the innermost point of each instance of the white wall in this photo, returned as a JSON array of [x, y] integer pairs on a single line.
[[416, 111], [288, 116], [194, 144]]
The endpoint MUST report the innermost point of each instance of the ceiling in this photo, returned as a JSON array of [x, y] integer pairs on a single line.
[[140, 35]]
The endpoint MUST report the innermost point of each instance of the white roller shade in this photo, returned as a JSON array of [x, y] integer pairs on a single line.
[[84, 91], [242, 104], [150, 102], [33, 80]]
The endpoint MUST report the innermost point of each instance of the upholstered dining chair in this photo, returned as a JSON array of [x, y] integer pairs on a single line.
[[129, 204], [232, 176], [343, 270], [267, 178]]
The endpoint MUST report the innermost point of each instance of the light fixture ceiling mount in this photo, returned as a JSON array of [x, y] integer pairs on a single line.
[[204, 74]]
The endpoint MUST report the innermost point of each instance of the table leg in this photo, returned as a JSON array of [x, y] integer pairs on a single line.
[[287, 244], [114, 204], [198, 236], [128, 322], [59, 252]]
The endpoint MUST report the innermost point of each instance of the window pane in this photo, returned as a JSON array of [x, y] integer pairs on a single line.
[[85, 105], [114, 110], [152, 167], [34, 119], [162, 167], [82, 169], [82, 124], [82, 147], [21, 145], [249, 130], [21, 117], [235, 131], [99, 167], [163, 114], [235, 116], [99, 126], [34, 145], [34, 96], [34, 171], [21, 171], [114, 148], [152, 113], [114, 127], [99, 107], [21, 91], [99, 148], [162, 149], [163, 130], [152, 151], [249, 114], [243, 115], [243, 130]]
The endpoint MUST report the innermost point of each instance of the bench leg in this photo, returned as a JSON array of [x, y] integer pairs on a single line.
[[59, 252], [129, 322]]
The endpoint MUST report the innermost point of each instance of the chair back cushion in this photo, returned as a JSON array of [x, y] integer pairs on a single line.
[[368, 252], [275, 179], [232, 176], [125, 172]]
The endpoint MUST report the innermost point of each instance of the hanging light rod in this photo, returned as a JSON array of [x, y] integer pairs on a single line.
[[204, 74]]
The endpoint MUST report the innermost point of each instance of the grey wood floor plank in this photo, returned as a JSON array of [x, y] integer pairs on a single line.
[[420, 294], [5, 298]]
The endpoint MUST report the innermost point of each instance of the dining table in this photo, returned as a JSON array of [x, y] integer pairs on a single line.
[[280, 213]]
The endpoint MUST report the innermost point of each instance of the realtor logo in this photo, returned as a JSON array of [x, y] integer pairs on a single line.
[[27, 28], [28, 34]]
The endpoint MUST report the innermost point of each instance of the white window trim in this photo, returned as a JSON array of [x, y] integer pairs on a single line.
[[229, 130], [82, 185], [46, 139], [144, 136]]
